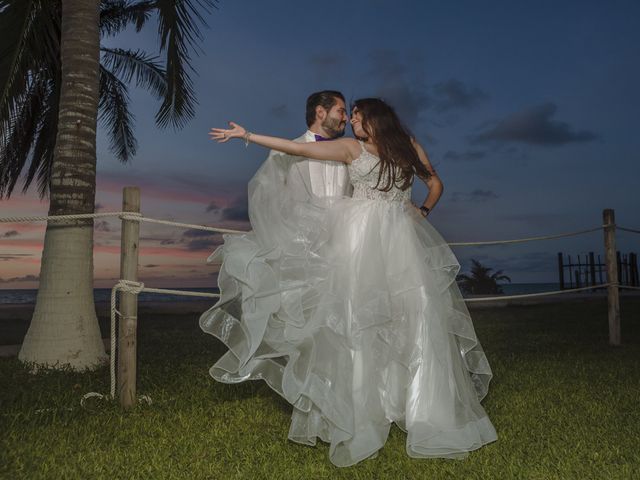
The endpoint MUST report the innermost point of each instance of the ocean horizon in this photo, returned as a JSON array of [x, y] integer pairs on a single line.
[[28, 296]]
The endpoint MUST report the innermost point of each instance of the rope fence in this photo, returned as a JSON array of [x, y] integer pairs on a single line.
[[529, 239], [130, 288], [628, 229], [138, 217], [134, 288], [132, 216], [540, 294]]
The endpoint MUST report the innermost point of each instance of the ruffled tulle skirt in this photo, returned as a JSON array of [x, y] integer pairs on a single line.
[[357, 323]]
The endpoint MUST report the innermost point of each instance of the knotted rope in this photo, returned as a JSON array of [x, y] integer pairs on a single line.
[[135, 288]]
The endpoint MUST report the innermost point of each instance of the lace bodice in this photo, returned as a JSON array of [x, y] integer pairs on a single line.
[[364, 172]]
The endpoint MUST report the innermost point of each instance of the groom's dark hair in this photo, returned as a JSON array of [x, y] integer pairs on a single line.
[[326, 99]]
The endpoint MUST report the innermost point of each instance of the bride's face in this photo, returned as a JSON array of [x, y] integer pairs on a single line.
[[356, 124]]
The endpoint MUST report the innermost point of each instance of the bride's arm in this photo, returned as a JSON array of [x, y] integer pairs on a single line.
[[433, 183], [342, 150]]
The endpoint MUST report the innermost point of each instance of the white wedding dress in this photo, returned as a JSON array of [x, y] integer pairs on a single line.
[[348, 308]]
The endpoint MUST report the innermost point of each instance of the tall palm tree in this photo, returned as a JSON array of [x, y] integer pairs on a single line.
[[52, 86], [481, 281]]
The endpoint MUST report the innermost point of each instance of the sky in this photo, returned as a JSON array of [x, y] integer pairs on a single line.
[[528, 111]]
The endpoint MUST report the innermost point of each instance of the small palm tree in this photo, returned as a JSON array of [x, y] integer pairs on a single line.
[[481, 281], [55, 80], [30, 79]]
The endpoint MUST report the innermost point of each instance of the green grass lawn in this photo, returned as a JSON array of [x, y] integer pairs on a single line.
[[565, 405]]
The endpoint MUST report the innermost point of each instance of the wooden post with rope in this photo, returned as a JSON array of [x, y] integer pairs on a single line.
[[128, 325], [613, 295]]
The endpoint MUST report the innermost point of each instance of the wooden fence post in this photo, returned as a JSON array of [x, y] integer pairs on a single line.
[[127, 338], [613, 296]]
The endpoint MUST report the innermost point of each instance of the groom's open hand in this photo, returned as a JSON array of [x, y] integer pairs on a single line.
[[222, 135]]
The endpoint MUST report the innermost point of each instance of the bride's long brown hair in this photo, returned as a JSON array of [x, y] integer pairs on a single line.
[[393, 141]]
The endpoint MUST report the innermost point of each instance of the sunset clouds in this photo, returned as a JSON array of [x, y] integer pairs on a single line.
[[528, 112], [178, 256]]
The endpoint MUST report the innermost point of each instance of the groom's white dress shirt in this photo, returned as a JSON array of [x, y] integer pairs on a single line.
[[319, 178]]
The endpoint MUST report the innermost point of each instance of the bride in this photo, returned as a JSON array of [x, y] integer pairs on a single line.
[[348, 307]]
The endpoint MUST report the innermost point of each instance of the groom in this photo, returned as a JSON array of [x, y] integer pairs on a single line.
[[288, 191], [326, 116]]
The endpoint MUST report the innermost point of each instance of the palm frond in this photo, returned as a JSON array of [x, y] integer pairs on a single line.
[[129, 64], [22, 129], [116, 15], [179, 32], [481, 281], [30, 78], [31, 32], [45, 141], [115, 115], [499, 278]]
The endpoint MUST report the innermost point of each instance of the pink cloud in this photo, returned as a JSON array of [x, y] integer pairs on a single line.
[[149, 251], [33, 261], [23, 227], [14, 242], [28, 201], [170, 189]]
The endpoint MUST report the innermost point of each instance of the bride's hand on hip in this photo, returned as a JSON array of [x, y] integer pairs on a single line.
[[222, 135]]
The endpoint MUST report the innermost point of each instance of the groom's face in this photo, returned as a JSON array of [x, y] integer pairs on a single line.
[[336, 119]]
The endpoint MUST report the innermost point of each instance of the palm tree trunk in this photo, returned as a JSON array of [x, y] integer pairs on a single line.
[[64, 329]]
